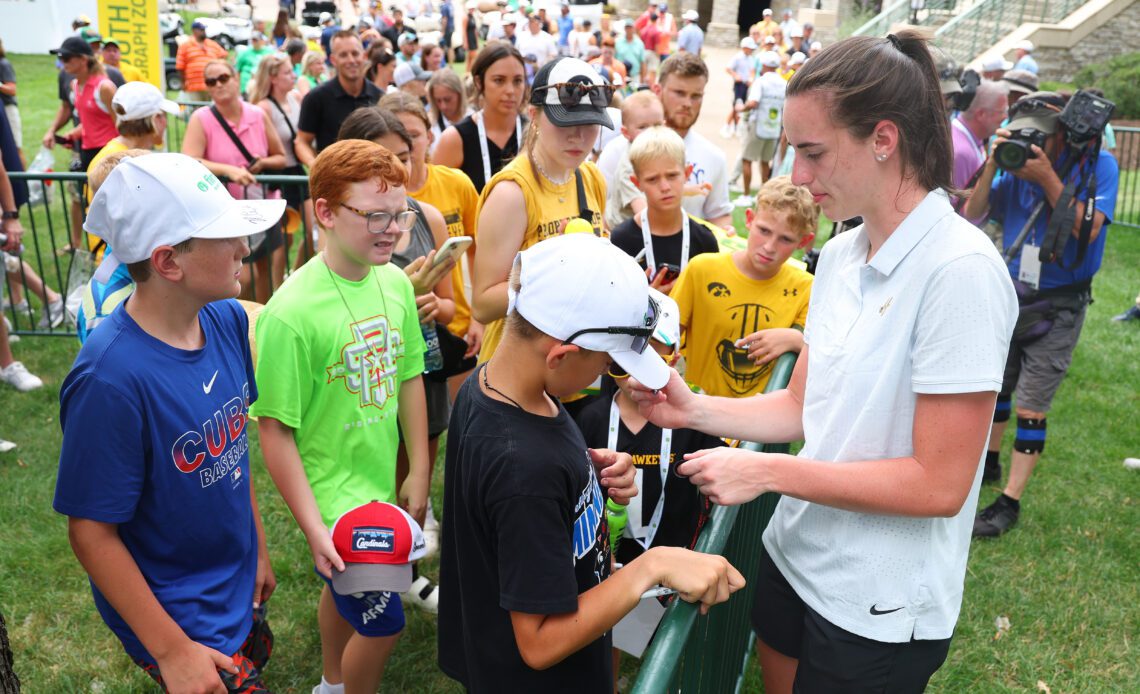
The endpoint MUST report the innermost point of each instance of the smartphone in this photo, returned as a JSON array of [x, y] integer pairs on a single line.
[[668, 272], [62, 141], [454, 248]]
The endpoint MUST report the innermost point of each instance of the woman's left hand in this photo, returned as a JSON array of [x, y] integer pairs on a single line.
[[727, 476]]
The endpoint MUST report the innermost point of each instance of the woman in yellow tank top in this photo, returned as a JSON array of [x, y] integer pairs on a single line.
[[536, 196]]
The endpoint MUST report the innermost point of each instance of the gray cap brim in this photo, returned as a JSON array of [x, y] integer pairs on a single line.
[[367, 578]]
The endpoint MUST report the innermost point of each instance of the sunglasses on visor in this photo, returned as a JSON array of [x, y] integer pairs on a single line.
[[570, 93], [640, 334]]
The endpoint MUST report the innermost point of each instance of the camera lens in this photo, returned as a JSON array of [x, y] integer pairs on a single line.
[[1011, 155]]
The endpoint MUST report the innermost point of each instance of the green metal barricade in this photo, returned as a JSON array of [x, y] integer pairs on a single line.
[[695, 653]]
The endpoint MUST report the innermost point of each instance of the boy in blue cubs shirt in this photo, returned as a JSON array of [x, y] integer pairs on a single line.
[[160, 502], [526, 596]]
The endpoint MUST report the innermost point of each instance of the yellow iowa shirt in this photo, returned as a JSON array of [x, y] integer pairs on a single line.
[[452, 193], [547, 209], [719, 305]]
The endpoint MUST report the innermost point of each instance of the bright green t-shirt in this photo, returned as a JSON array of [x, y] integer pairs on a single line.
[[329, 365], [247, 62]]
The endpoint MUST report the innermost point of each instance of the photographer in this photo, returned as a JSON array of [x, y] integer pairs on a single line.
[[1051, 157]]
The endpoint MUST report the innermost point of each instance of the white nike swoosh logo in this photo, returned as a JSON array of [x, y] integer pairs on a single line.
[[207, 387]]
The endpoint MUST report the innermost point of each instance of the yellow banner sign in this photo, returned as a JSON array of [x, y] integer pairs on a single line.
[[134, 25]]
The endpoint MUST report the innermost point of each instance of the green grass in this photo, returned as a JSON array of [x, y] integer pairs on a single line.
[[1066, 577]]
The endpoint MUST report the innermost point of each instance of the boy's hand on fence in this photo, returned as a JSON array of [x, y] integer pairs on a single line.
[[615, 473], [325, 557], [765, 345], [727, 476], [705, 578], [193, 669]]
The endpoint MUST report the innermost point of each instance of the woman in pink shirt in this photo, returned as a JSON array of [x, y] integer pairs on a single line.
[[212, 137]]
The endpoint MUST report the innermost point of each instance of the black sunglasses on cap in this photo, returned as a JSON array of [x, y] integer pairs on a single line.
[[570, 93], [640, 334]]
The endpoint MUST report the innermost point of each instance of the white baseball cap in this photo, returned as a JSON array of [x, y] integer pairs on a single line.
[[691, 15], [137, 100], [1025, 45], [748, 43], [798, 58], [163, 200], [767, 12], [996, 63], [583, 289], [324, 18], [769, 59], [796, 32], [668, 330], [403, 74]]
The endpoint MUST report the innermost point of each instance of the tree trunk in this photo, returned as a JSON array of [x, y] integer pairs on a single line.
[[9, 683]]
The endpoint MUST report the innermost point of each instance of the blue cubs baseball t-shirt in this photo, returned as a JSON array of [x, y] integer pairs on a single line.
[[154, 441]]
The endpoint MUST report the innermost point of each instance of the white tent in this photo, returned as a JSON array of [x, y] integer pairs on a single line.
[[37, 26]]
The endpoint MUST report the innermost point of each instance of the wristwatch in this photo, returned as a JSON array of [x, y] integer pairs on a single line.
[[11, 214]]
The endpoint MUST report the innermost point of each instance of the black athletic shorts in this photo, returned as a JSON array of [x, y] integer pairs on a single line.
[[831, 659]]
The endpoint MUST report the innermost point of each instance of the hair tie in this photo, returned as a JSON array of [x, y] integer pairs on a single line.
[[895, 42]]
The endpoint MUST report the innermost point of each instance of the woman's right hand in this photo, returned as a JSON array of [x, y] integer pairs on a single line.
[[240, 175], [49, 140], [672, 407], [325, 557]]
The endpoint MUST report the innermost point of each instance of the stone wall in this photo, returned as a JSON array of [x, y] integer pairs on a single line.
[[1114, 38]]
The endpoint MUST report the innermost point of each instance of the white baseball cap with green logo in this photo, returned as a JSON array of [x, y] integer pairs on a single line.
[[164, 199]]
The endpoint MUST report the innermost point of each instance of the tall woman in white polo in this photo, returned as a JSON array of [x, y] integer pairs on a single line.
[[906, 339]]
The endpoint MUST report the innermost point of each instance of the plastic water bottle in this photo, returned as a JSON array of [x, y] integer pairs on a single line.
[[433, 358], [617, 516]]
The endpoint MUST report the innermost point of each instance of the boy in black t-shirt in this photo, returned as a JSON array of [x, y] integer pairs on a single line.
[[662, 233], [526, 596], [671, 519]]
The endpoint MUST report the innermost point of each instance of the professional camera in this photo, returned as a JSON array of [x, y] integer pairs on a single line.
[[1035, 117], [1018, 148]]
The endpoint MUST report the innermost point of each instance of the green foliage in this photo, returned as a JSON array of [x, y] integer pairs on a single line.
[[1119, 77]]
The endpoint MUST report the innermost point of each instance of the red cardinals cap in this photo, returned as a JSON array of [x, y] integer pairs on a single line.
[[378, 543]]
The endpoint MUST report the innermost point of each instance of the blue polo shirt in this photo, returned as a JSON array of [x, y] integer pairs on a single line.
[[1012, 200]]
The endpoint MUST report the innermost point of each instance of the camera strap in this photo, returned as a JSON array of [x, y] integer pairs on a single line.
[[1064, 218]]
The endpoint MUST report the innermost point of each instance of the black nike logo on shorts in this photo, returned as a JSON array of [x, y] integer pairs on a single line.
[[877, 612]]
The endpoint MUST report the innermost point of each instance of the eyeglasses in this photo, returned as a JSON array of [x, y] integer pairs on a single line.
[[570, 93], [379, 222], [641, 334], [220, 79]]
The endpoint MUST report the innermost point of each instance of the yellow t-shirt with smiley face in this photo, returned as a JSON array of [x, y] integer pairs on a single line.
[[719, 305]]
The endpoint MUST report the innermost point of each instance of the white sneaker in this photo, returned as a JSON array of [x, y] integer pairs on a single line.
[[53, 315], [726, 131], [6, 446], [1132, 463], [742, 201], [424, 594], [18, 377]]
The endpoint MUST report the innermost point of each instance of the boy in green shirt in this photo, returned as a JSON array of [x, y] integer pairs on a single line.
[[340, 357]]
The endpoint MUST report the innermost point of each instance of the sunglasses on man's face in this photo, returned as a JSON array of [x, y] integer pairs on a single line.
[[570, 93], [220, 79]]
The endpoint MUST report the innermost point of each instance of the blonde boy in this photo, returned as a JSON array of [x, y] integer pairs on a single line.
[[741, 310], [640, 111], [662, 233]]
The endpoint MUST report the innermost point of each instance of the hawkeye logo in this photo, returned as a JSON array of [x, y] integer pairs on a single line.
[[368, 362], [719, 289]]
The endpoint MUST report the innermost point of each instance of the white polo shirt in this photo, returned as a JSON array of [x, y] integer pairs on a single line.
[[931, 313]]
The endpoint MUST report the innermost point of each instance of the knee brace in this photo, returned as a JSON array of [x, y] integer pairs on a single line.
[[1002, 408], [1030, 436]]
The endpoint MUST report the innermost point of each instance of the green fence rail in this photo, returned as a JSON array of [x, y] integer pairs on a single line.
[[1127, 152], [932, 13], [976, 30], [694, 653]]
